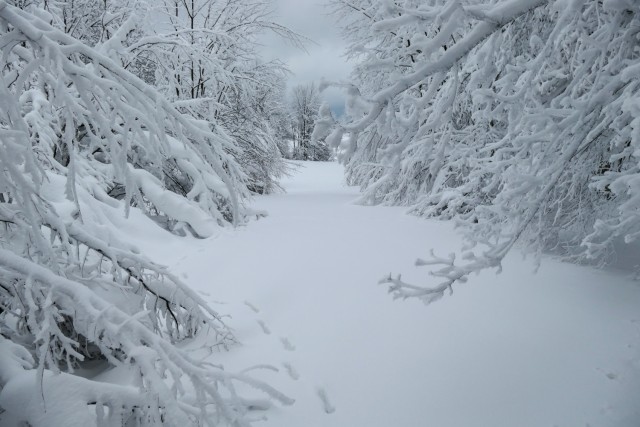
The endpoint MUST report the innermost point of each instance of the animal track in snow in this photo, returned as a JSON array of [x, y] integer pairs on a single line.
[[293, 373], [287, 344], [252, 307], [264, 327], [327, 406]]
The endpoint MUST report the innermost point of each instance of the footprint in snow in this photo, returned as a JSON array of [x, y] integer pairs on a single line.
[[327, 406], [610, 375], [264, 327], [293, 373], [252, 307], [287, 344]]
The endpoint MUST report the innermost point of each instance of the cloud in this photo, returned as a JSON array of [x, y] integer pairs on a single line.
[[321, 63]]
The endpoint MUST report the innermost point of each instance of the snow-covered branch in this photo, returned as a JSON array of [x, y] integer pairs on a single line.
[[513, 118], [84, 144]]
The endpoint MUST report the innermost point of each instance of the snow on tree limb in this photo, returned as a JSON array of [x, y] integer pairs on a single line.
[[515, 119], [82, 143], [496, 18]]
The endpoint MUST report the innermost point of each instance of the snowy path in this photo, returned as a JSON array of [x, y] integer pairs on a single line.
[[560, 348]]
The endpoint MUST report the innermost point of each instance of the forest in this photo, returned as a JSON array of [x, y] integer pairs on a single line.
[[516, 122]]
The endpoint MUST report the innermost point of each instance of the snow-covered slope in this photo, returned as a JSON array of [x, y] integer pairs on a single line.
[[556, 348]]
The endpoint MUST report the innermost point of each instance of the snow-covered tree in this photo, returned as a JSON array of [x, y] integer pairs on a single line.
[[95, 22], [251, 119], [83, 144], [208, 61], [280, 119], [515, 118], [92, 21], [305, 103]]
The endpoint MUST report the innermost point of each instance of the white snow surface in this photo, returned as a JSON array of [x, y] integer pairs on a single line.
[[560, 347]]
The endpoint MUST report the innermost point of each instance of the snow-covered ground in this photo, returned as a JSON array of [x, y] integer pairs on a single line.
[[556, 348]]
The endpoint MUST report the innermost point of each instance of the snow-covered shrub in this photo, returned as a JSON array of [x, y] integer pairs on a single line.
[[83, 143], [515, 118]]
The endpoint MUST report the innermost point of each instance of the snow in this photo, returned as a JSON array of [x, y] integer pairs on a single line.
[[556, 348]]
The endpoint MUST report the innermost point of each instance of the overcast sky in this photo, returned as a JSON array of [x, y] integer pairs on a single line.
[[323, 59]]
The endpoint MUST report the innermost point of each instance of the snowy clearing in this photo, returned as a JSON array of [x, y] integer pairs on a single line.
[[556, 348]]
